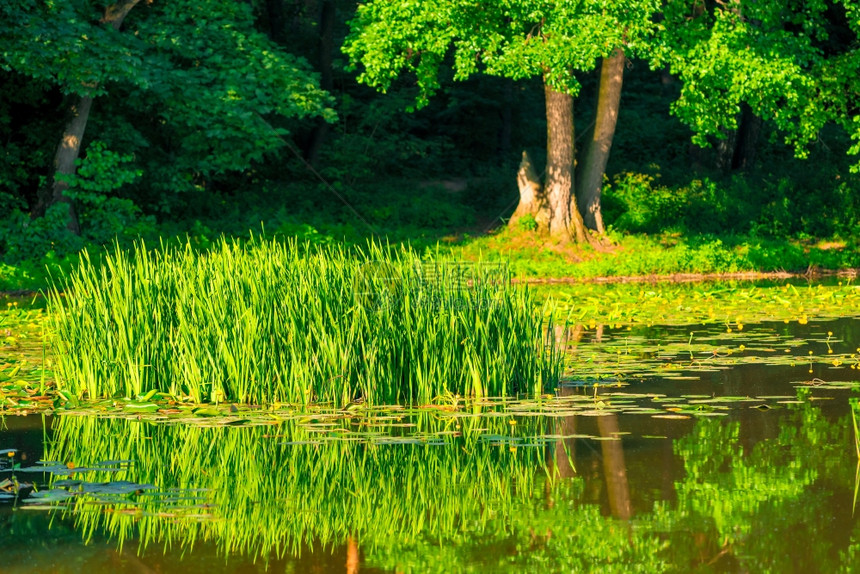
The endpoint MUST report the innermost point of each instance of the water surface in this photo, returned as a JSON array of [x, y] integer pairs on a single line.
[[682, 448]]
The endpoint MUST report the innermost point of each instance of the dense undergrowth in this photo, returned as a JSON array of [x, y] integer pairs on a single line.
[[290, 322], [654, 229]]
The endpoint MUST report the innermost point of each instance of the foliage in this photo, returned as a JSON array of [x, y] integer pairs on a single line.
[[510, 39], [196, 137], [730, 304], [455, 491], [794, 64], [104, 216], [528, 223], [568, 535], [100, 172], [189, 113], [34, 244], [270, 322], [749, 499], [789, 203]]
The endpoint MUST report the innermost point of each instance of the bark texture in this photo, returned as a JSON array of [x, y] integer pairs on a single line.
[[553, 204], [564, 218], [532, 201], [746, 141], [736, 151], [590, 174], [64, 160]]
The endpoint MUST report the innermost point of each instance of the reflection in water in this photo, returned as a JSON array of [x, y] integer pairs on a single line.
[[473, 497], [614, 468], [277, 488], [750, 507], [448, 499]]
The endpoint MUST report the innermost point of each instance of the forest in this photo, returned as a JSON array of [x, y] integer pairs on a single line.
[[574, 139]]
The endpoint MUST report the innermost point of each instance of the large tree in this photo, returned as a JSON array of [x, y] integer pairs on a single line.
[[795, 64], [197, 70], [516, 39]]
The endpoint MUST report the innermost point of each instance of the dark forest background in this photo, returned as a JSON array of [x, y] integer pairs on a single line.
[[161, 158]]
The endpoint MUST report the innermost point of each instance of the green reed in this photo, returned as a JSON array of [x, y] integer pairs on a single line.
[[267, 321]]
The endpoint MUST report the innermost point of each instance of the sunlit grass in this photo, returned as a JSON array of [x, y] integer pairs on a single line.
[[268, 321], [533, 255]]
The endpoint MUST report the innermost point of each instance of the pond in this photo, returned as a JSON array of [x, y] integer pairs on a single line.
[[727, 446]]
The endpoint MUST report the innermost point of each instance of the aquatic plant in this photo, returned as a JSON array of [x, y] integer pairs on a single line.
[[262, 322], [437, 498], [733, 304]]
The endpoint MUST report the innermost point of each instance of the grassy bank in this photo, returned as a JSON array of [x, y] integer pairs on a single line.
[[533, 256], [529, 255]]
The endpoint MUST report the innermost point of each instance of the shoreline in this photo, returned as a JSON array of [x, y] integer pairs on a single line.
[[810, 274]]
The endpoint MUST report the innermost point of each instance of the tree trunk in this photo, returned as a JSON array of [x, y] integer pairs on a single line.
[[325, 49], [746, 140], [590, 176], [736, 151], [507, 122], [565, 222], [276, 17], [553, 205], [70, 144], [64, 161], [724, 150], [564, 451], [532, 200]]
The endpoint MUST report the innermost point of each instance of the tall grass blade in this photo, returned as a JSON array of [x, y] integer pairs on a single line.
[[264, 321]]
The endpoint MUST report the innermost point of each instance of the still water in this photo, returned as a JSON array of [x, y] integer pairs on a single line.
[[668, 449]]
